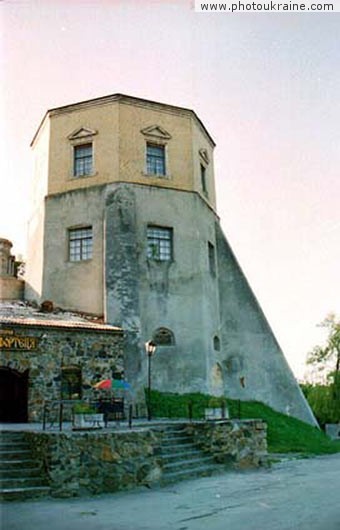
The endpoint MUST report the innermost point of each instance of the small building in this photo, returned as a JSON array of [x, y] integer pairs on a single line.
[[11, 287], [52, 356]]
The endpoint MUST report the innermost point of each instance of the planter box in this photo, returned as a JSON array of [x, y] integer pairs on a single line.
[[216, 414], [88, 421]]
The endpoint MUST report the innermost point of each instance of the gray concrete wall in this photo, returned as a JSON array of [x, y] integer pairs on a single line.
[[249, 348], [183, 295], [73, 285], [180, 295]]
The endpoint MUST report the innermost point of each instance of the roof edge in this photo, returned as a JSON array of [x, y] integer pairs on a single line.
[[125, 99]]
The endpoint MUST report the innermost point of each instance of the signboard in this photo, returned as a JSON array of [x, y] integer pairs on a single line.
[[13, 342]]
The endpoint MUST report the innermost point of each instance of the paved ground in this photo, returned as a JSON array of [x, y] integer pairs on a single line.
[[295, 494]]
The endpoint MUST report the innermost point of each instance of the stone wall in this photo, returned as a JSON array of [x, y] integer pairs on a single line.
[[97, 353], [239, 444], [93, 462], [80, 463]]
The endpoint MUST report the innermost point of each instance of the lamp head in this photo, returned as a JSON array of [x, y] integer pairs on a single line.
[[150, 347]]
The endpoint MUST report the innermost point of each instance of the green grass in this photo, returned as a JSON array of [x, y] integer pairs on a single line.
[[285, 434]]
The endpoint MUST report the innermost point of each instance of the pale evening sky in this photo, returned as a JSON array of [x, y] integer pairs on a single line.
[[265, 85]]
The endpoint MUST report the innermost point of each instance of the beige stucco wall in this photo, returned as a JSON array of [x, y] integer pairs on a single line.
[[100, 118], [35, 256], [11, 288], [132, 145], [119, 146], [74, 285], [200, 141]]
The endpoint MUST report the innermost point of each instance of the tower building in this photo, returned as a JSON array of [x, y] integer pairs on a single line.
[[124, 224]]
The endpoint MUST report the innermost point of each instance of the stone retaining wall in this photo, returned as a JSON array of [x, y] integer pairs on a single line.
[[239, 444], [93, 462], [79, 463]]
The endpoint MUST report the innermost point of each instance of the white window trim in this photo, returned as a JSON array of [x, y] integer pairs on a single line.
[[86, 136], [160, 143]]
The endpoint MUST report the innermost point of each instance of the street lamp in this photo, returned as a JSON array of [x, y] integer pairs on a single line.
[[150, 348]]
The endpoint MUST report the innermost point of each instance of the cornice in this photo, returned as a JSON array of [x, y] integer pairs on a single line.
[[128, 100]]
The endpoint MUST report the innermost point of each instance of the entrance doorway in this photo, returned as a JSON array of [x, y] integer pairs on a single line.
[[13, 396]]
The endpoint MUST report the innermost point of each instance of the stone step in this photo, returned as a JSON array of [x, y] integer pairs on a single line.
[[185, 474], [17, 464], [21, 475], [21, 482], [20, 471], [188, 464], [14, 454], [185, 455], [176, 440], [14, 494], [177, 448], [12, 437], [9, 446]]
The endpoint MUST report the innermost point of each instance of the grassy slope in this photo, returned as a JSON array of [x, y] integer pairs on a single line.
[[285, 434]]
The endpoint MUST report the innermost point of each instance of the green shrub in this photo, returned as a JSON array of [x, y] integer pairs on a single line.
[[83, 408]]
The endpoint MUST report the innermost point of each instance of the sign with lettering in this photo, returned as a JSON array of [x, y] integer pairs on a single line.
[[18, 343], [6, 332]]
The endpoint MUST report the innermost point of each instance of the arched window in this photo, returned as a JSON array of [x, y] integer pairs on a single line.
[[163, 337], [71, 382], [217, 343]]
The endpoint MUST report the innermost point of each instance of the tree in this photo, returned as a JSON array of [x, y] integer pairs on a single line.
[[327, 359]]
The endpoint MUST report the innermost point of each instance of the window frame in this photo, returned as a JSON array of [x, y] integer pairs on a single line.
[[77, 147], [84, 253], [163, 249], [67, 385], [163, 332], [164, 158]]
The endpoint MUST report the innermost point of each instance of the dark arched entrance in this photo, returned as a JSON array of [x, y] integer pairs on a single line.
[[13, 395]]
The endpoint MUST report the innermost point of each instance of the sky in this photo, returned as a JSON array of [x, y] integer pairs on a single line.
[[267, 88]]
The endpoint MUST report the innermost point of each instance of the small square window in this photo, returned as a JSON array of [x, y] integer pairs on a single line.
[[159, 243], [80, 244], [155, 159], [83, 160]]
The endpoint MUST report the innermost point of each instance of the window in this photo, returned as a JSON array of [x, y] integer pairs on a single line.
[[211, 255], [83, 160], [80, 244], [163, 337], [159, 243], [204, 180], [217, 343], [155, 159], [71, 382]]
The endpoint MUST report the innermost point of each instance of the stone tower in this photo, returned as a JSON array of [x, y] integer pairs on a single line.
[[124, 224]]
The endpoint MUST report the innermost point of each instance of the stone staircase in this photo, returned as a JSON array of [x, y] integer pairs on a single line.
[[21, 477], [182, 459]]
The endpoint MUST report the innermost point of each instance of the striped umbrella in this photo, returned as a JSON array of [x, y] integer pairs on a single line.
[[110, 384]]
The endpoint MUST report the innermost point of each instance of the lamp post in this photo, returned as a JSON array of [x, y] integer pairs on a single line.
[[150, 348]]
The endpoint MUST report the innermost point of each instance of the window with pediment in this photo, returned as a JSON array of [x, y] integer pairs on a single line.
[[156, 142], [82, 142]]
